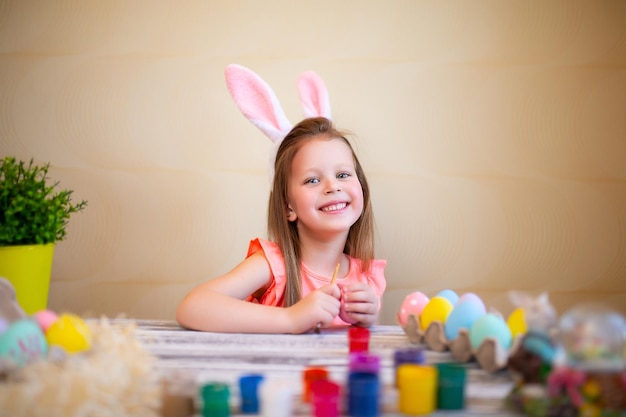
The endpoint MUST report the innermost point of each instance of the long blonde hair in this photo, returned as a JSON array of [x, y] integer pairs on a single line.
[[360, 241]]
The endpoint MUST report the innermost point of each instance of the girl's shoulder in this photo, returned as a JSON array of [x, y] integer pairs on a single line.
[[270, 248], [272, 253]]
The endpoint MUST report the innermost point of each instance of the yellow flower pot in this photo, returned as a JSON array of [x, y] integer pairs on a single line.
[[28, 268]]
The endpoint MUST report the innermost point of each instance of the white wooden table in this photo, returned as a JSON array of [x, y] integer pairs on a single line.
[[190, 359]]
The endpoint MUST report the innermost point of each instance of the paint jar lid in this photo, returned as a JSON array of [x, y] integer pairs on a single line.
[[410, 355], [364, 362]]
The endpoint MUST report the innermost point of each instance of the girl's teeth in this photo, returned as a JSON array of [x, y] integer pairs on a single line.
[[334, 207]]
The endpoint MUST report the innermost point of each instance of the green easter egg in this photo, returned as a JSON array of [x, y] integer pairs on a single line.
[[23, 342], [490, 326]]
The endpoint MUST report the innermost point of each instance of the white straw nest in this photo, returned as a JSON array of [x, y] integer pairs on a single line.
[[116, 377]]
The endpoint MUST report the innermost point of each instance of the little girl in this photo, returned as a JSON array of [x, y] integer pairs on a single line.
[[320, 215], [320, 220]]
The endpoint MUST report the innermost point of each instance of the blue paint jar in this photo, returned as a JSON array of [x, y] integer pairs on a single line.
[[363, 394], [248, 389]]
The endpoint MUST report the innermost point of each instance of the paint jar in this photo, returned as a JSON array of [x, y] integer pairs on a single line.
[[215, 400], [414, 356], [325, 400], [276, 397], [417, 386], [364, 362], [358, 339], [451, 386], [363, 394], [309, 375], [248, 391]]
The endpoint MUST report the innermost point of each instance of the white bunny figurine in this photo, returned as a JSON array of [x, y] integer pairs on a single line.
[[541, 320], [539, 313]]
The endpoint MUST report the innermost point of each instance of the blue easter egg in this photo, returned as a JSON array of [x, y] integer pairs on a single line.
[[490, 326], [449, 295], [462, 317], [23, 342]]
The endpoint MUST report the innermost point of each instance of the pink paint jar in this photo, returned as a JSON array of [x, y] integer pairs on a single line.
[[325, 395]]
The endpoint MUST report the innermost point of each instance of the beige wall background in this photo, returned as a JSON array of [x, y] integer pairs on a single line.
[[493, 134]]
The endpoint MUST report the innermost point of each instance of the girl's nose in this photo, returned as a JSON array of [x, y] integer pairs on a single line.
[[332, 186]]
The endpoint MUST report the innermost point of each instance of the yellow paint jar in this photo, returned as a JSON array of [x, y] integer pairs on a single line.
[[417, 386]]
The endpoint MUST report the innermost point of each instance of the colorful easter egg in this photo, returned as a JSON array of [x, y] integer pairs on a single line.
[[462, 317], [4, 324], [437, 309], [45, 318], [69, 332], [490, 326], [517, 322], [23, 342], [470, 296], [413, 303], [449, 295]]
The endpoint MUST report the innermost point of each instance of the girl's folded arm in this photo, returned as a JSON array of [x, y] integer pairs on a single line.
[[218, 305]]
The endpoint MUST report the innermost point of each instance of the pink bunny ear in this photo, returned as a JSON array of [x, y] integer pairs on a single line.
[[257, 102], [313, 95]]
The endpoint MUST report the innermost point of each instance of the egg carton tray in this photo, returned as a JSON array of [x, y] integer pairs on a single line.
[[490, 354]]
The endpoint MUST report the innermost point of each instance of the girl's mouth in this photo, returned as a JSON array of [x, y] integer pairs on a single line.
[[334, 207]]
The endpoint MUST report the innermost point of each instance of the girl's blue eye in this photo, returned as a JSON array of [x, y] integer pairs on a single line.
[[312, 181], [343, 175]]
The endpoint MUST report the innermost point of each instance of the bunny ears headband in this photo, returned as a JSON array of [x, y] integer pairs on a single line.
[[261, 107]]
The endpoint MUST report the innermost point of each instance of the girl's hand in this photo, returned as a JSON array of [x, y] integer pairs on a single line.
[[319, 306], [359, 304]]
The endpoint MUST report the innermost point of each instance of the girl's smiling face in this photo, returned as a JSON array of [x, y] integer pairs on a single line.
[[325, 195]]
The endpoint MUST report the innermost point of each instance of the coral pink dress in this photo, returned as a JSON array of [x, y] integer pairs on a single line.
[[273, 296]]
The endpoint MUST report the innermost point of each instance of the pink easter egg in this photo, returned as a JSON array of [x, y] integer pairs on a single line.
[[413, 303], [45, 318]]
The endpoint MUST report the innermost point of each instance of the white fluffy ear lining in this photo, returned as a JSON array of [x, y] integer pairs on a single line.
[[313, 96], [257, 102]]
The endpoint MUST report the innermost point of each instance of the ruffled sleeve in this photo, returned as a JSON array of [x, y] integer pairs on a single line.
[[273, 296], [376, 276]]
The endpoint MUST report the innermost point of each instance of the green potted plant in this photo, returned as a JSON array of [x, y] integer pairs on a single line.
[[33, 217]]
